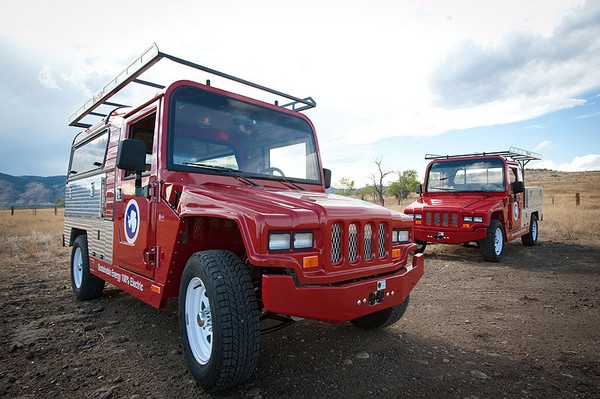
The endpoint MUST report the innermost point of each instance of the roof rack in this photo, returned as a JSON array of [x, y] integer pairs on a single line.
[[518, 154], [141, 64]]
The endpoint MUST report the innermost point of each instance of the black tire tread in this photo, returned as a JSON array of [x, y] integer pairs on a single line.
[[236, 310], [383, 318], [487, 246], [528, 240], [91, 286]]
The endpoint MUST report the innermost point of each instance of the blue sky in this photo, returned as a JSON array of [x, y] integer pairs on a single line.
[[392, 79]]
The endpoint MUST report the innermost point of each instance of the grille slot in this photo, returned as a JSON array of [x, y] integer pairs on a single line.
[[368, 242], [352, 243], [381, 240], [336, 239]]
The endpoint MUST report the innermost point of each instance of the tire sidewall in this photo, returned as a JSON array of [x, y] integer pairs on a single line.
[[488, 245], [81, 244], [534, 230], [210, 370]]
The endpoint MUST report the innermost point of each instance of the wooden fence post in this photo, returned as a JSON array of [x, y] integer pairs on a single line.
[[12, 211], [577, 199]]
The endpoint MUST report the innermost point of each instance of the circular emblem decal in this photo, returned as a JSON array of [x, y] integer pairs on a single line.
[[516, 210], [132, 221]]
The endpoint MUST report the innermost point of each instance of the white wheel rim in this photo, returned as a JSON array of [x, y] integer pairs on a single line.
[[498, 241], [198, 321], [77, 267], [534, 231]]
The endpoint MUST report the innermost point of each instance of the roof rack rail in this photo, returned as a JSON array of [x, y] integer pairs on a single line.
[[145, 61], [518, 154]]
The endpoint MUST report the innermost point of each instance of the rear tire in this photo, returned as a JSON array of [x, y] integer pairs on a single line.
[[218, 320], [85, 285], [492, 246], [381, 319], [530, 239]]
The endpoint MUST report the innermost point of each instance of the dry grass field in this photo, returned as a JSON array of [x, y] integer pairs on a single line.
[[528, 327]]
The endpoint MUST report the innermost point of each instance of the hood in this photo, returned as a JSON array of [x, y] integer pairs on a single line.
[[278, 208], [457, 203]]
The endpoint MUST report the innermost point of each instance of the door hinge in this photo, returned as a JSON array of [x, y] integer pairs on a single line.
[[151, 256]]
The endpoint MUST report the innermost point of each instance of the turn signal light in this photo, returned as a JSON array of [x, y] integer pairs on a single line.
[[396, 252], [310, 261]]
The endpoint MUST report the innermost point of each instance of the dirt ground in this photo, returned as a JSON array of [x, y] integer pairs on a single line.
[[528, 327]]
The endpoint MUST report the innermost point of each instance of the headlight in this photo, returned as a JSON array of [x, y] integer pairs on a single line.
[[279, 241], [418, 216], [400, 236], [303, 240], [467, 219], [478, 219]]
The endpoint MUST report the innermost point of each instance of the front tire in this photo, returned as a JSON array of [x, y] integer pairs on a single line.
[[492, 246], [421, 245], [218, 320], [85, 285], [530, 239], [381, 319]]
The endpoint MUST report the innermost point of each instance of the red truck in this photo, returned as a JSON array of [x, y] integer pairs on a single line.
[[218, 200], [478, 198]]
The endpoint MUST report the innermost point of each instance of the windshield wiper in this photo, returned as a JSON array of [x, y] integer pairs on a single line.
[[286, 180], [441, 188], [235, 172]]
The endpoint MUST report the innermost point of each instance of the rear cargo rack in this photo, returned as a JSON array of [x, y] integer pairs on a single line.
[[143, 63], [517, 154]]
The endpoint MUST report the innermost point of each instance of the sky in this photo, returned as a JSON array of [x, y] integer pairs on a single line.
[[393, 80]]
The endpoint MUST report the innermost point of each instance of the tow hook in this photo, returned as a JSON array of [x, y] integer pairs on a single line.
[[439, 235], [377, 296]]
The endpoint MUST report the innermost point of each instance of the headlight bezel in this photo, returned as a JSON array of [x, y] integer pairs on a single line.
[[400, 236], [285, 241]]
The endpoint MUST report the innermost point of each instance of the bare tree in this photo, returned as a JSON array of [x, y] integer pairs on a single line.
[[377, 179]]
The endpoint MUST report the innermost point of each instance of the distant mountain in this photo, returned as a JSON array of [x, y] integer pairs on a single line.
[[28, 191]]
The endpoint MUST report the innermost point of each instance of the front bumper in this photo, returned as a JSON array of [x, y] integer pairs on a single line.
[[449, 237], [339, 303]]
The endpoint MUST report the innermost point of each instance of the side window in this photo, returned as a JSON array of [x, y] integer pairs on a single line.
[[514, 176], [143, 130], [89, 156]]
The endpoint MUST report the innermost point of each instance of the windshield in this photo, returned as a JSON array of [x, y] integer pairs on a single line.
[[212, 133], [466, 175]]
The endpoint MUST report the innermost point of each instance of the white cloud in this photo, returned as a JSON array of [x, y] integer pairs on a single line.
[[374, 68], [542, 145], [578, 164], [46, 78]]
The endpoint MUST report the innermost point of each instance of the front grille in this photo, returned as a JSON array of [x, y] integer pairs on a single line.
[[345, 242], [441, 219]]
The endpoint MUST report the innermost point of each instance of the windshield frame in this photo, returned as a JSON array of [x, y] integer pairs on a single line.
[[291, 122], [467, 164]]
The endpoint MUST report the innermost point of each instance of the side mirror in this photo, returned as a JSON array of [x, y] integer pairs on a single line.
[[518, 187], [419, 189], [131, 155], [327, 176]]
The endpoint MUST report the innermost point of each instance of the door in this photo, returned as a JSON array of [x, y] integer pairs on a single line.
[[515, 210], [134, 235]]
